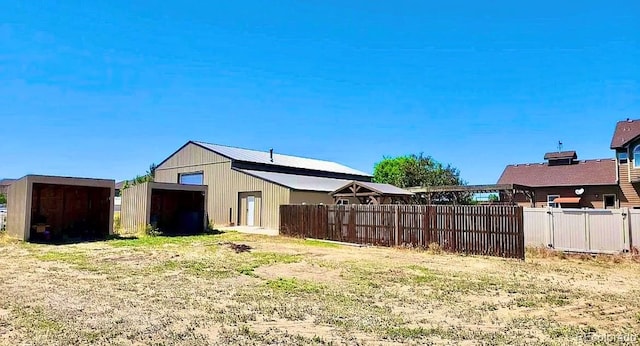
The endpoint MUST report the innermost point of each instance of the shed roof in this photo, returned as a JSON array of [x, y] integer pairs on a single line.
[[625, 132], [587, 172], [264, 157], [298, 182]]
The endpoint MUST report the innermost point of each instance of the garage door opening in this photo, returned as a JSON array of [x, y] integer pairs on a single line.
[[60, 209], [171, 209], [177, 212], [69, 213]]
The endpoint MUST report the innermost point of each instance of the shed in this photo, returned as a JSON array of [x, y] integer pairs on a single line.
[[170, 208], [49, 208]]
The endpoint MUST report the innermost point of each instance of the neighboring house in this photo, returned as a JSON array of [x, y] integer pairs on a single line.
[[626, 143], [4, 185], [564, 181], [247, 187]]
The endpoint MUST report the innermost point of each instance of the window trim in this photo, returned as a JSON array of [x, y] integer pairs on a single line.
[[615, 200], [626, 157], [636, 151], [555, 205], [180, 175]]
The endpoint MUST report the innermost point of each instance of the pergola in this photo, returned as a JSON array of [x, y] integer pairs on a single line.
[[372, 193], [506, 191]]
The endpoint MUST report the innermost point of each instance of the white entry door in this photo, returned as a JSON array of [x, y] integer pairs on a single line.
[[251, 209]]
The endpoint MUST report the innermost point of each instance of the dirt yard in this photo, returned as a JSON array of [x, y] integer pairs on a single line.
[[254, 290]]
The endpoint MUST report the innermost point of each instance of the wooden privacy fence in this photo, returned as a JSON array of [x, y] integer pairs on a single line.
[[480, 230]]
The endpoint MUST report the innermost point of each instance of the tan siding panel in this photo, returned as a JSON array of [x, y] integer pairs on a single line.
[[134, 212], [310, 197], [224, 186], [591, 198], [191, 155], [18, 205]]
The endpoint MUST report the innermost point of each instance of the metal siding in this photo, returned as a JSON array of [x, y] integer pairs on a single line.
[[17, 206], [309, 197], [224, 185], [190, 155], [134, 212]]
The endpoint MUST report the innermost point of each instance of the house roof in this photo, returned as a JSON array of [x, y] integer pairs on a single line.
[[625, 132], [264, 157], [6, 182], [588, 172], [559, 155], [299, 182]]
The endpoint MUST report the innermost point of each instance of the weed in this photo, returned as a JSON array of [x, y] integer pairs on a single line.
[[293, 285]]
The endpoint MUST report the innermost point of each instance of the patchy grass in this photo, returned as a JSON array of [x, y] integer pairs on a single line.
[[232, 288]]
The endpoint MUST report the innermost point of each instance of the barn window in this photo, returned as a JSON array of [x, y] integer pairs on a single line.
[[193, 178]]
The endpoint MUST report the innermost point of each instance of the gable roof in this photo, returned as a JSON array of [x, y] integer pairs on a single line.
[[382, 189], [588, 172], [560, 155], [625, 132], [264, 157]]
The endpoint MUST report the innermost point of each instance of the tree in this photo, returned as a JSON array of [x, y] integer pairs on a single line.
[[423, 171], [3, 199], [494, 198], [140, 179]]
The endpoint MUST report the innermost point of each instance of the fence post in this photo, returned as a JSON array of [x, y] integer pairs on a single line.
[[626, 229], [587, 230], [550, 231], [397, 230]]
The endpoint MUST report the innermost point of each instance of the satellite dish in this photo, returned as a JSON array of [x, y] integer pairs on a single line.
[[580, 191]]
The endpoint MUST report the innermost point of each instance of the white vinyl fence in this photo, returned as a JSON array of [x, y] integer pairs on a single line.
[[3, 220], [582, 230]]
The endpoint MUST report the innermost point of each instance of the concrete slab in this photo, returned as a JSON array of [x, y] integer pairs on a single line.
[[250, 230]]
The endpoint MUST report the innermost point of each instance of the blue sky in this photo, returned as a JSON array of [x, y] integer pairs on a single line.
[[103, 88]]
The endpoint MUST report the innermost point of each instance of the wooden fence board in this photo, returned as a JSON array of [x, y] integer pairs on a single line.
[[479, 230]]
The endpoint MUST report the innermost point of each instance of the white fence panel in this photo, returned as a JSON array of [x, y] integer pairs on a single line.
[[3, 220], [582, 230], [536, 227], [569, 228], [606, 231], [634, 225]]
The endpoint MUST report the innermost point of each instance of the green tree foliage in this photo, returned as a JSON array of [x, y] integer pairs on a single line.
[[494, 198], [140, 179], [423, 171], [3, 199]]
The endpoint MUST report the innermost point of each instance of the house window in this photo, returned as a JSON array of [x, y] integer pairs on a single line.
[[609, 201], [194, 178], [636, 157], [342, 202], [623, 157], [550, 201]]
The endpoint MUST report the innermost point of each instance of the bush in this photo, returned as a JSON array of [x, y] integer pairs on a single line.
[[435, 248], [152, 231]]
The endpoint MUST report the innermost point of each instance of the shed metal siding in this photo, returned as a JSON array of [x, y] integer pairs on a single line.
[[134, 210], [18, 203], [224, 185]]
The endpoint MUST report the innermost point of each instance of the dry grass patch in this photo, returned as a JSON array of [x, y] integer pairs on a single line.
[[240, 289]]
